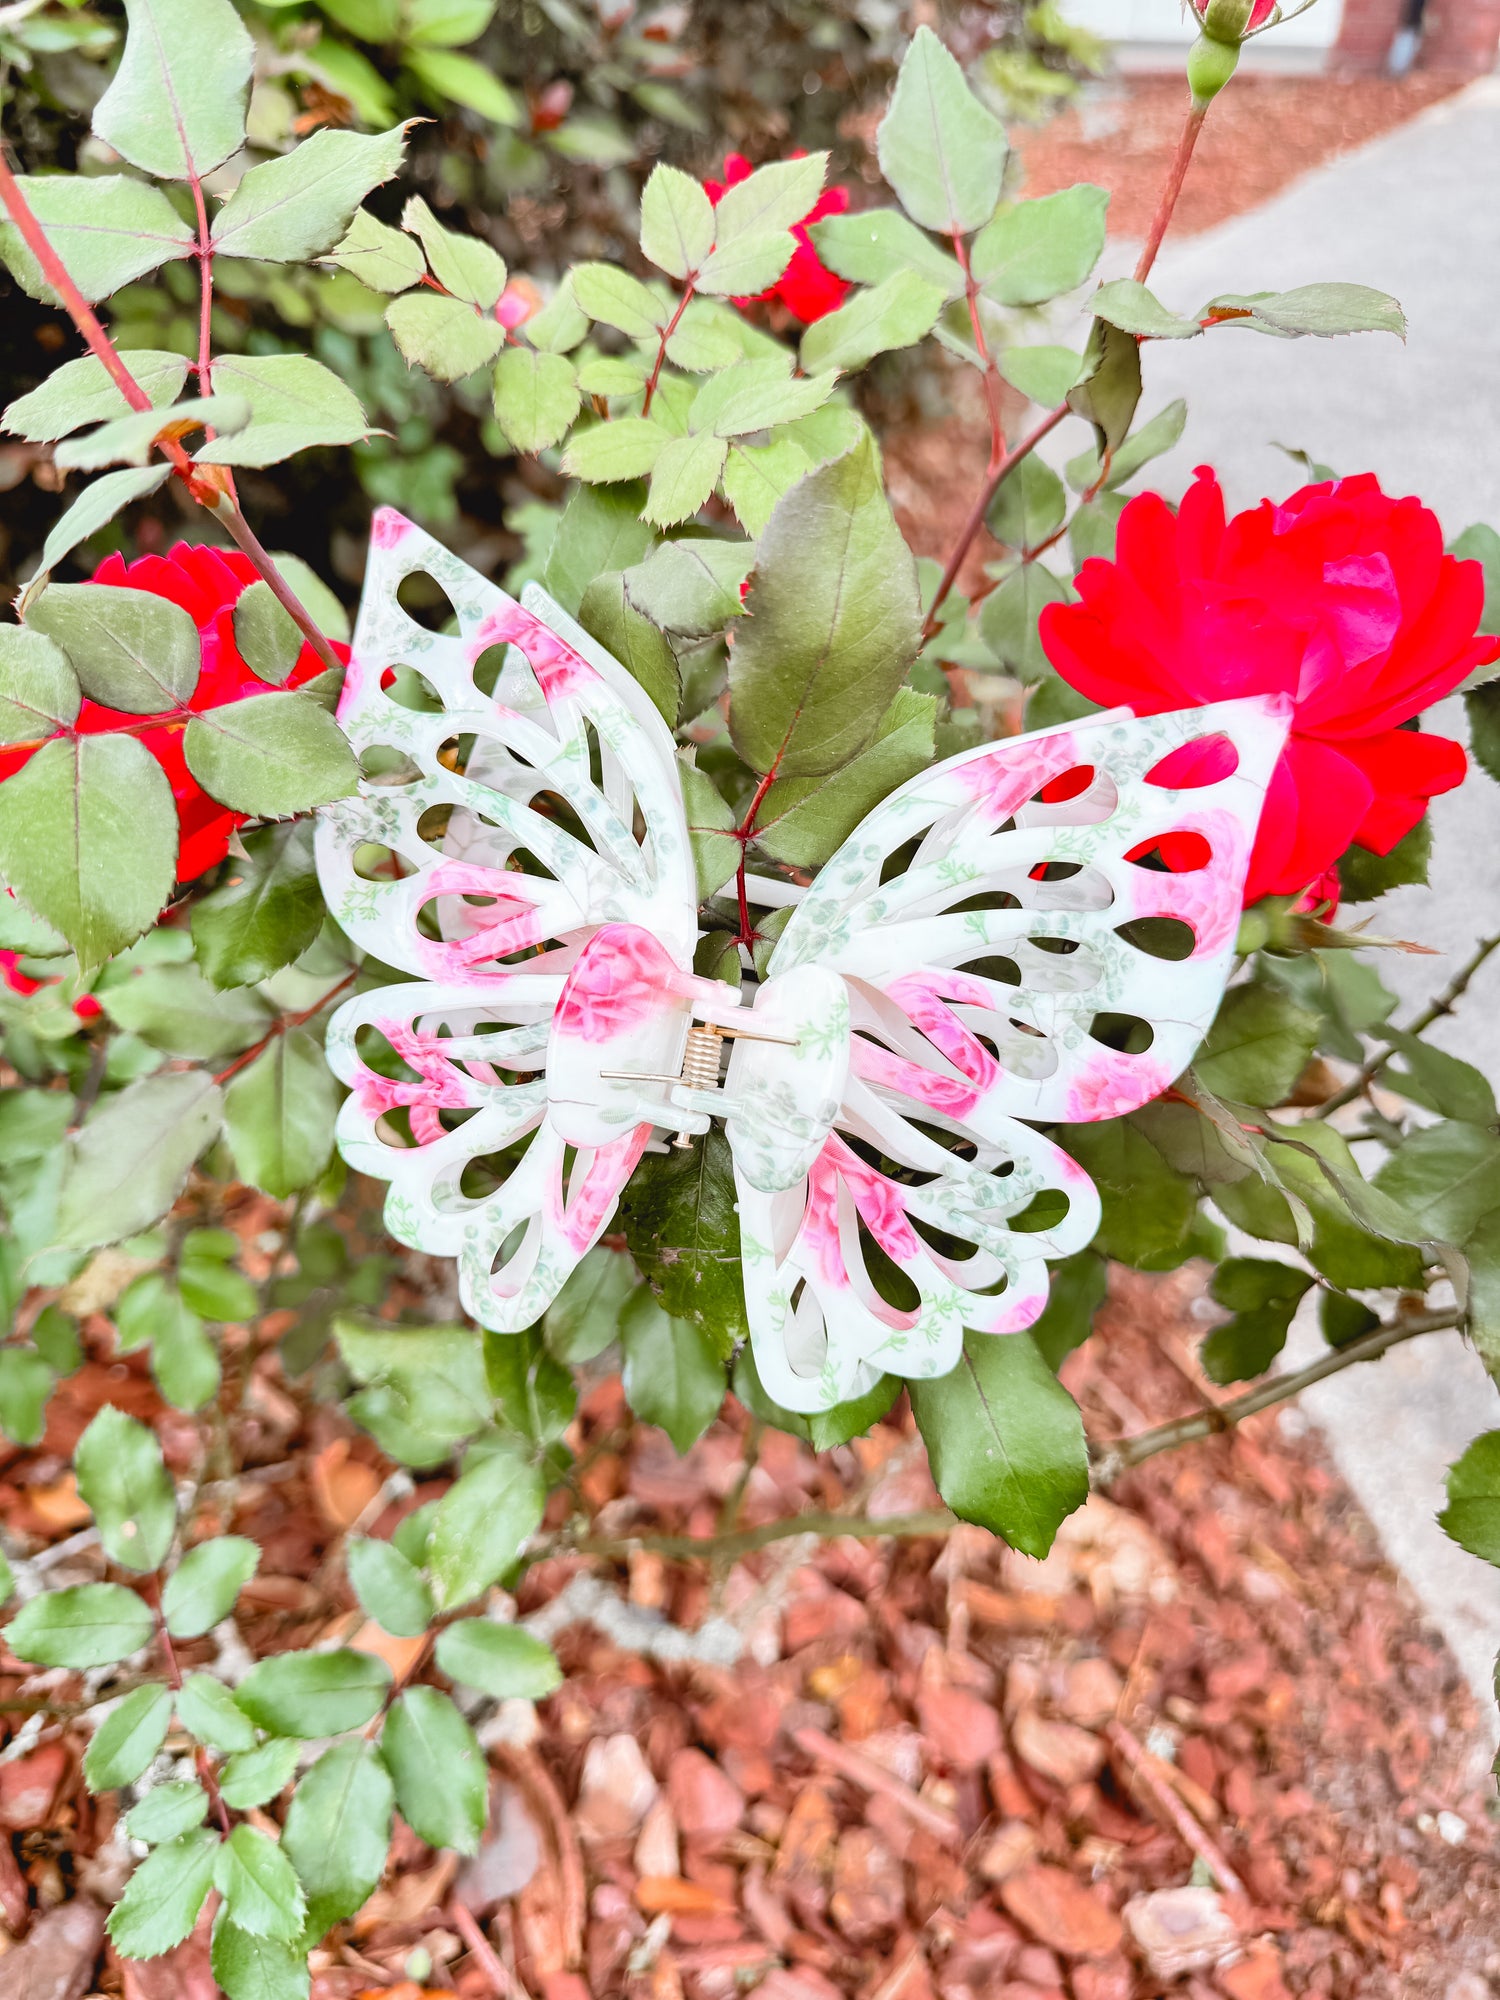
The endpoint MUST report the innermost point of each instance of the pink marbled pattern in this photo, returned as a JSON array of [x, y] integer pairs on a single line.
[[388, 528], [923, 998], [1112, 1086], [881, 1209], [948, 1094], [1002, 781], [1209, 898], [593, 1194], [623, 980], [560, 671], [437, 1085]]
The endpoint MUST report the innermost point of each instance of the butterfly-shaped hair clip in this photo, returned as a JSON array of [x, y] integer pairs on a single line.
[[521, 855]]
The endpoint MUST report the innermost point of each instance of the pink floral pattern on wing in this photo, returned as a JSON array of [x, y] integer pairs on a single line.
[[1210, 897], [952, 1095], [1006, 777], [595, 1189], [1113, 1086], [388, 528], [560, 671], [924, 997], [623, 980]]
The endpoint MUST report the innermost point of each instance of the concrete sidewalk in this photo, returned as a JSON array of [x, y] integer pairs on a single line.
[[1415, 213]]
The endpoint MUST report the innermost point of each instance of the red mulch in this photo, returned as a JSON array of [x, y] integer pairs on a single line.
[[936, 1772], [1262, 133]]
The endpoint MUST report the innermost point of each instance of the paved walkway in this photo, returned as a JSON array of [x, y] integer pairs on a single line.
[[1416, 213]]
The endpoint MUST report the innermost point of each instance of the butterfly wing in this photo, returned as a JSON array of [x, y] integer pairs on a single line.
[[1037, 929], [493, 849]]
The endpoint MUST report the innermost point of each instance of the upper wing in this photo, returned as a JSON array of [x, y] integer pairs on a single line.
[[494, 835], [989, 923]]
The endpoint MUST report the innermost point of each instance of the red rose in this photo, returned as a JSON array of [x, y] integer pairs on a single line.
[[807, 288], [207, 584], [1342, 598]]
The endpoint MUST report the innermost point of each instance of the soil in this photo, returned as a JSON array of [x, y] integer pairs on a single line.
[[1210, 1732]]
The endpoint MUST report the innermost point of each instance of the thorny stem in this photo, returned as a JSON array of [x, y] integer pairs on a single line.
[[205, 255], [1192, 125], [661, 348], [743, 833], [208, 485], [1451, 994], [201, 1759], [283, 1025], [745, 1541], [1113, 1459]]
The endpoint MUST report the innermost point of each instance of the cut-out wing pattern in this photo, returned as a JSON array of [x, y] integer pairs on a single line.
[[987, 948]]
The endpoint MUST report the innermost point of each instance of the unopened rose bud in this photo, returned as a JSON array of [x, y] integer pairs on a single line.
[[1210, 65]]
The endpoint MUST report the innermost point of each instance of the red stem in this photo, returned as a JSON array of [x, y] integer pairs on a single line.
[[743, 833], [1176, 174], [661, 350], [283, 1025], [991, 372]]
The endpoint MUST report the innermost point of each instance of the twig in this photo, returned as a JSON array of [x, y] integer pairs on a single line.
[[1145, 1771], [1451, 994], [744, 1541], [1176, 174], [283, 1025], [872, 1777], [661, 349], [1120, 1456], [482, 1951]]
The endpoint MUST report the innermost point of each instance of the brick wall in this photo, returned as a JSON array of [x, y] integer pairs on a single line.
[[1461, 35]]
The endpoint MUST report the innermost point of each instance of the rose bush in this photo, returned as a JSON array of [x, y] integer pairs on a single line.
[[1339, 597]]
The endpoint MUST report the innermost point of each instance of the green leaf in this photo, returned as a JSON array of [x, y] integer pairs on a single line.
[[607, 615], [1472, 1516], [163, 1897], [338, 1827], [255, 1777], [1045, 374], [1009, 618], [298, 206], [206, 1583], [614, 298], [561, 323], [95, 507], [279, 1115], [1028, 506], [83, 392], [1363, 876], [267, 635], [834, 622], [1482, 711], [1477, 544], [270, 754], [772, 198], [248, 1967], [295, 402], [1005, 1441], [1033, 251], [89, 1625], [1323, 310], [184, 1361], [1147, 1207], [677, 221], [123, 1482], [499, 1660], [264, 917], [940, 149], [463, 80], [1128, 305], [465, 267], [536, 397], [748, 265], [803, 821], [691, 588], [1263, 1296], [130, 650], [674, 1371], [710, 821], [54, 1334], [682, 1225], [1079, 1284], [626, 448], [1109, 384], [39, 690], [875, 243], [167, 1810], [436, 1372], [754, 396], [1150, 441], [259, 1885], [898, 312], [385, 259], [207, 1710], [25, 1384], [390, 1590], [127, 1165], [534, 1393], [314, 1694], [480, 1524], [129, 440], [1445, 1178], [599, 531], [107, 229], [683, 476], [1440, 1082], [176, 105], [1259, 1044], [128, 1738], [438, 1768], [756, 477]]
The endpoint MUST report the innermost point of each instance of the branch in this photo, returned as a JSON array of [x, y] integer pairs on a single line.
[[661, 347], [283, 1025], [1113, 1459], [1172, 187], [1451, 994], [745, 1541]]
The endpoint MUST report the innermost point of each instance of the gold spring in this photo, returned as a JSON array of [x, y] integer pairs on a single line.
[[700, 1060]]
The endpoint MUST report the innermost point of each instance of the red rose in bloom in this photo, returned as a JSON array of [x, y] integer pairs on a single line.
[[807, 288], [1342, 598], [207, 584]]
